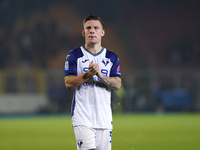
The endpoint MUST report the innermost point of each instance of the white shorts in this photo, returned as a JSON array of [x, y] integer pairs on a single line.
[[92, 139]]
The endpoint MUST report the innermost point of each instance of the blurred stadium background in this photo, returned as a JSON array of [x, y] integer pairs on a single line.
[[157, 41]]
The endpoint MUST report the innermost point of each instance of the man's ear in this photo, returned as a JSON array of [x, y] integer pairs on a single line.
[[102, 32], [83, 32]]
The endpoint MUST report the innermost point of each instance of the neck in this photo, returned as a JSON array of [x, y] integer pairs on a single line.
[[93, 48]]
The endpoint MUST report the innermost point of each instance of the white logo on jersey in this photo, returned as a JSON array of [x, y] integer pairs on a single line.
[[66, 65]]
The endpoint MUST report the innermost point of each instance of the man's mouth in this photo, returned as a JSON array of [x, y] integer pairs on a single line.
[[92, 37]]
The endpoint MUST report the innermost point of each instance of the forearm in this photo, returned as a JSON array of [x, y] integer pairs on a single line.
[[112, 82], [75, 81]]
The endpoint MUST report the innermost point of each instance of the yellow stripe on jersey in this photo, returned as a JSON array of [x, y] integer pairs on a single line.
[[67, 56], [118, 78], [68, 77]]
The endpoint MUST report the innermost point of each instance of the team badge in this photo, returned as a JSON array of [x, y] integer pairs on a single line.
[[105, 61]]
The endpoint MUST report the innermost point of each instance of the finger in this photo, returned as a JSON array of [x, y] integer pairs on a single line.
[[96, 66], [91, 64]]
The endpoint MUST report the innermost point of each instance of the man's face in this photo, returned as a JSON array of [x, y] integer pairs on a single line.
[[93, 32]]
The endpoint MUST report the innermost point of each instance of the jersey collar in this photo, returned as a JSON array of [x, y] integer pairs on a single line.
[[93, 53]]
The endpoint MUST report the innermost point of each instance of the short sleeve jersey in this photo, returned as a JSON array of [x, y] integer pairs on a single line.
[[91, 104]]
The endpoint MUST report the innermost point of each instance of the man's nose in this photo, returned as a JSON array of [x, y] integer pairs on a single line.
[[92, 30]]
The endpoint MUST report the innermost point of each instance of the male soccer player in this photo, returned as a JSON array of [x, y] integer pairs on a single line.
[[92, 70]]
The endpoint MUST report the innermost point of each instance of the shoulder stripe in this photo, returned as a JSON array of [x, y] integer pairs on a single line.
[[67, 56]]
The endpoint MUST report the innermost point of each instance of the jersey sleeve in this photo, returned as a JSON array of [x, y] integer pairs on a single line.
[[70, 69], [115, 70]]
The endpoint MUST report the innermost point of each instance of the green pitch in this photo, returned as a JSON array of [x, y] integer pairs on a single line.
[[131, 132]]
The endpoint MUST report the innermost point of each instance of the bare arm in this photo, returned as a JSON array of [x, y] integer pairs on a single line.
[[93, 69], [75, 81], [112, 82]]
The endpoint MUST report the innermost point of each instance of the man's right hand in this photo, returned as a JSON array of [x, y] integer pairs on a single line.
[[92, 69]]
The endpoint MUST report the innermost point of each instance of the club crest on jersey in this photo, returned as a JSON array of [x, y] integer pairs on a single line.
[[105, 61]]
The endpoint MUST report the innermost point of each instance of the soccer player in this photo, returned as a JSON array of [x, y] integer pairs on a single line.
[[92, 71]]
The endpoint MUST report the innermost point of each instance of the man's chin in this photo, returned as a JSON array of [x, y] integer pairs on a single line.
[[93, 43]]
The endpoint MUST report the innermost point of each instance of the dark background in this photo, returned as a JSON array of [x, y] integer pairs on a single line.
[[157, 41]]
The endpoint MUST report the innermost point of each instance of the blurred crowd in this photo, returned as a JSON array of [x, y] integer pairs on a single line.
[[31, 37], [185, 52]]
